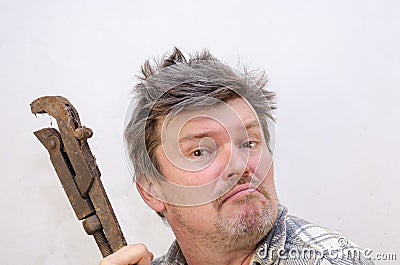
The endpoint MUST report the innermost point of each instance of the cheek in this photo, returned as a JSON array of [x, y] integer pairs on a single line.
[[207, 175], [193, 178], [262, 166], [197, 218]]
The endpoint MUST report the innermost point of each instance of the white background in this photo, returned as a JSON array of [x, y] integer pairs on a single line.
[[335, 66]]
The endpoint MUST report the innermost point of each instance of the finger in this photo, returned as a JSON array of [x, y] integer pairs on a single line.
[[132, 254], [146, 260]]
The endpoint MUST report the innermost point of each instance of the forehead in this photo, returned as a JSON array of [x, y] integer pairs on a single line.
[[232, 116]]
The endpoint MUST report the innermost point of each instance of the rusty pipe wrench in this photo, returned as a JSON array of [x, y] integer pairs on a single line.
[[78, 172]]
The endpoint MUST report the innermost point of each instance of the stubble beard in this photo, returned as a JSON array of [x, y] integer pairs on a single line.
[[246, 228], [241, 230]]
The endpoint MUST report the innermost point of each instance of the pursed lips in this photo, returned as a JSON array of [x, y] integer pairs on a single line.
[[240, 191]]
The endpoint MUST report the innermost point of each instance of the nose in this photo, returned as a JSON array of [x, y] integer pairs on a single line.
[[237, 165]]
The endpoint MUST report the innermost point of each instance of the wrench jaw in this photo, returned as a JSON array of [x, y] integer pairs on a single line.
[[74, 137], [50, 138], [78, 172], [59, 108]]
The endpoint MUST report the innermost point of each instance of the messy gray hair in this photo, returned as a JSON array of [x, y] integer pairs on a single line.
[[174, 84]]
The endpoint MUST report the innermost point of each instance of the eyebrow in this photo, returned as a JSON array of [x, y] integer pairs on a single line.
[[195, 136], [251, 124], [201, 135]]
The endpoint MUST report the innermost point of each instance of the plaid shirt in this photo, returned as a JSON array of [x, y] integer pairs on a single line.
[[292, 241]]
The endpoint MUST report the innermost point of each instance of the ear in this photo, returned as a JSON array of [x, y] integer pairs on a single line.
[[149, 195]]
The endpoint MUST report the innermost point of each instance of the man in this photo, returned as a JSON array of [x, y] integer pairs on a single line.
[[200, 139]]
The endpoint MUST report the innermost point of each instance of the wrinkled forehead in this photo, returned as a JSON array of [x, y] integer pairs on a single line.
[[233, 116]]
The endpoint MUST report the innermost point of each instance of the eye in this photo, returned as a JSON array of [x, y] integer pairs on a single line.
[[249, 144], [200, 152]]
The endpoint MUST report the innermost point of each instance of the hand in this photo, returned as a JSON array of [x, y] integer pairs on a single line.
[[129, 255]]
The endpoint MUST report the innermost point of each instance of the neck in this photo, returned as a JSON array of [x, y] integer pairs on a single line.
[[200, 251]]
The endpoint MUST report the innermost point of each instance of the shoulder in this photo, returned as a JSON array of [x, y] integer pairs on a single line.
[[330, 247], [173, 256], [159, 261], [302, 232]]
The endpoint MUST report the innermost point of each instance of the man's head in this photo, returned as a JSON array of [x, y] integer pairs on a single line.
[[199, 142], [175, 84]]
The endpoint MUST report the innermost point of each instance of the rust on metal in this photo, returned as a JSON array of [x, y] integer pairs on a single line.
[[78, 172]]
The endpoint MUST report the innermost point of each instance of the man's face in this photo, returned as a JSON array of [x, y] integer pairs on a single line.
[[228, 153]]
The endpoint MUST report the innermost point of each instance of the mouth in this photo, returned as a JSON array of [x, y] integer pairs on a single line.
[[239, 192]]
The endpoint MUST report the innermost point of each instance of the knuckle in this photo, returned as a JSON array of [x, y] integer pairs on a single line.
[[141, 247]]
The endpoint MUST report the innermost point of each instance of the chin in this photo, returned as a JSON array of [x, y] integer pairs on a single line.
[[247, 223]]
